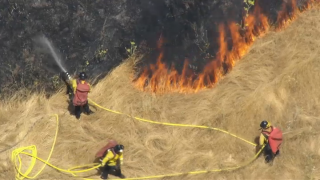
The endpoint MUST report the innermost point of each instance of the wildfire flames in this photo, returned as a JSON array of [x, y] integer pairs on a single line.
[[159, 78]]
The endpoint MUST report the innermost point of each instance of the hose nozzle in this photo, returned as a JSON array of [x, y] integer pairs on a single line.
[[68, 75], [65, 76]]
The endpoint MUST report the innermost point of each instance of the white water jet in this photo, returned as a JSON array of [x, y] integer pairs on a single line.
[[45, 42], [52, 50]]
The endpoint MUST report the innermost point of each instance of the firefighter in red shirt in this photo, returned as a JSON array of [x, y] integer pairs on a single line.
[[271, 137], [81, 88]]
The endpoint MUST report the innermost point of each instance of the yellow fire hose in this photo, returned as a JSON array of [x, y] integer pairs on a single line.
[[16, 158]]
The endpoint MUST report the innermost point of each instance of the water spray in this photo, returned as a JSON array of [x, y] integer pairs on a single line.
[[65, 76], [44, 41]]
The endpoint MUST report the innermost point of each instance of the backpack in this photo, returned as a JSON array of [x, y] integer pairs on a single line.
[[274, 138], [81, 94], [102, 152]]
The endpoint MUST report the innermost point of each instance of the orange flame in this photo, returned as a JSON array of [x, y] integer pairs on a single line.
[[159, 79]]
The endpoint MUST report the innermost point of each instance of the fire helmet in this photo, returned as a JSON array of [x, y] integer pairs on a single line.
[[82, 76], [265, 124], [118, 148]]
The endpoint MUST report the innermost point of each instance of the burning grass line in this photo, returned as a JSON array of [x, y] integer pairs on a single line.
[[159, 78]]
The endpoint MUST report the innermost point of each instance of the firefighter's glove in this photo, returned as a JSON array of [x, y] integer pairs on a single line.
[[102, 164]]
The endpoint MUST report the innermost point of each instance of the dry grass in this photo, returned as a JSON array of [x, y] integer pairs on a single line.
[[278, 80]]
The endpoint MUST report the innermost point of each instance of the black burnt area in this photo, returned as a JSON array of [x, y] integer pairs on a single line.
[[187, 26], [81, 28], [78, 29]]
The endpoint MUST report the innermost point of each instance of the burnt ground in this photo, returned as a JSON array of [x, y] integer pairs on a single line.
[[79, 30], [92, 35], [191, 30]]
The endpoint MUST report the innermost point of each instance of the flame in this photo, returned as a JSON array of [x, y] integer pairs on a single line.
[[158, 78], [284, 18]]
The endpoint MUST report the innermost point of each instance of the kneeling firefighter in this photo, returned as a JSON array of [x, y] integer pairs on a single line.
[[111, 158], [271, 137]]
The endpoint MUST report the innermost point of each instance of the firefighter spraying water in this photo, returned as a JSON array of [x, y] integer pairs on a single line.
[[77, 89]]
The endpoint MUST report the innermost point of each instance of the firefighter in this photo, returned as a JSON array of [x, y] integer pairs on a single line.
[[271, 137], [111, 161], [81, 88]]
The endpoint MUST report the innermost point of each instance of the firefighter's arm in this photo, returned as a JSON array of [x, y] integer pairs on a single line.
[[89, 87], [74, 85], [121, 158], [262, 140], [108, 156]]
